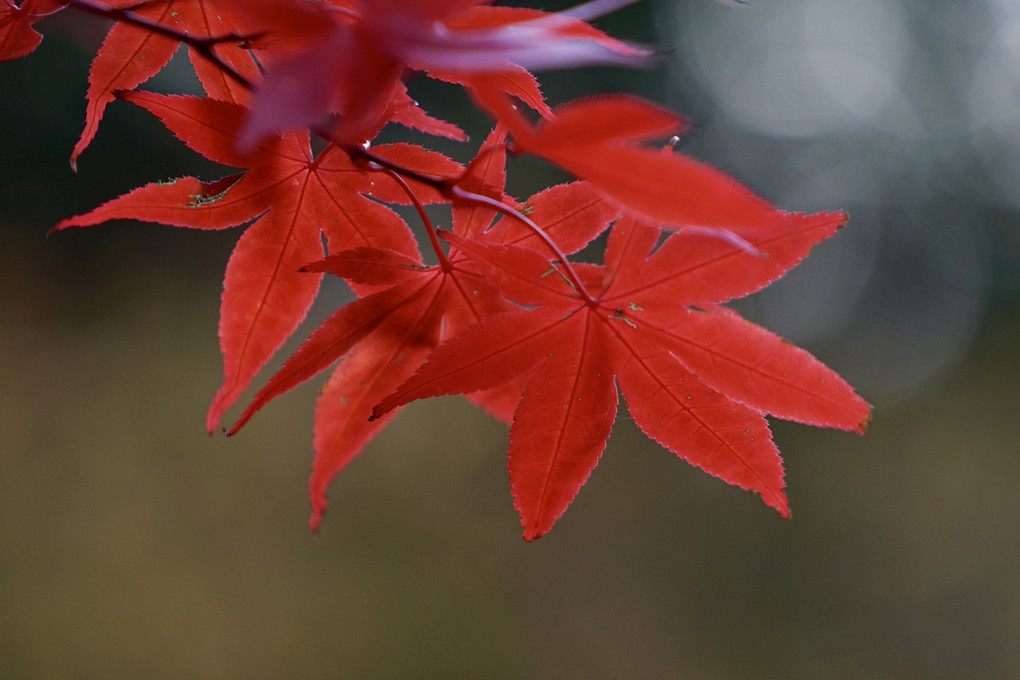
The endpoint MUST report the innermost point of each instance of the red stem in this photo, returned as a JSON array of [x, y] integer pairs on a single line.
[[449, 188], [433, 237], [457, 193]]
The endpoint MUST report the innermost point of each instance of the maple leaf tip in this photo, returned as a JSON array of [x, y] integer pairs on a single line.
[[378, 412], [840, 217], [315, 520], [782, 507], [862, 427], [532, 534]]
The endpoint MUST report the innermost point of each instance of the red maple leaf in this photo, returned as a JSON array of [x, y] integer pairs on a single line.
[[384, 337], [130, 55], [597, 139], [17, 37], [297, 197], [696, 378]]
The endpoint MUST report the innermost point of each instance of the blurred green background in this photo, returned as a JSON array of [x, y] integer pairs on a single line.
[[135, 546]]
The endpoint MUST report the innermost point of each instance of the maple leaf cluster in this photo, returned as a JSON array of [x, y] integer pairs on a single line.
[[506, 317]]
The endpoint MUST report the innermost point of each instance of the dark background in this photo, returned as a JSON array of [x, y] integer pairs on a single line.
[[135, 546]]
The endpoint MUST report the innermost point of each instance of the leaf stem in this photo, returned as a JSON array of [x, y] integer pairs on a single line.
[[448, 186], [457, 193], [433, 237]]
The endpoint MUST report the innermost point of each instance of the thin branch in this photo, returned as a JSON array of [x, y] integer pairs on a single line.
[[595, 9]]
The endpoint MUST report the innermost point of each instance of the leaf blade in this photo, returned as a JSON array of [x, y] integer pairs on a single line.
[[560, 430], [705, 428]]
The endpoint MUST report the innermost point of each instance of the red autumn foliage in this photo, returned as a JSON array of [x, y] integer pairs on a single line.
[[17, 36], [506, 316], [297, 199], [697, 378], [132, 54]]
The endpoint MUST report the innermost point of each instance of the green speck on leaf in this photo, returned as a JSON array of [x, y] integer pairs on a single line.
[[199, 201], [618, 314]]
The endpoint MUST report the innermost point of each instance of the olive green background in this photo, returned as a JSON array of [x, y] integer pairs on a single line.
[[133, 545]]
